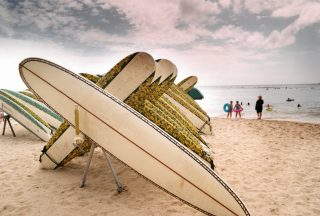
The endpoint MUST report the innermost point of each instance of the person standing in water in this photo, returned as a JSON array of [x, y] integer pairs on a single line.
[[229, 115], [259, 105], [237, 109]]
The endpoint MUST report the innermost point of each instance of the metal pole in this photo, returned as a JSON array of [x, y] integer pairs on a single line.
[[11, 126], [85, 173], [84, 177], [115, 177], [4, 126]]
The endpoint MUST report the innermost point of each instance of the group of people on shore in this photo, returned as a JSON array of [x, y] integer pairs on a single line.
[[237, 108]]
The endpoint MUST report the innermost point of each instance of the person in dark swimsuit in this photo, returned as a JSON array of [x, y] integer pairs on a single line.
[[229, 115], [259, 106]]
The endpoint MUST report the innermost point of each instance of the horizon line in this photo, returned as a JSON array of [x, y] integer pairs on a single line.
[[266, 85]]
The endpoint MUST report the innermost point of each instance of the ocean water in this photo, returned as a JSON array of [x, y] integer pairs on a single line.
[[307, 95]]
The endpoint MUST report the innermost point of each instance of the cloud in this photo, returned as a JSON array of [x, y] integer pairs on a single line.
[[153, 23], [279, 39], [236, 36], [307, 14], [195, 12], [259, 6], [228, 32], [287, 10], [237, 6], [167, 23], [207, 36], [42, 15], [225, 3]]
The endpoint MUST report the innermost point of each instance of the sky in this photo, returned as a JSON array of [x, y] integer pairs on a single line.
[[222, 42]]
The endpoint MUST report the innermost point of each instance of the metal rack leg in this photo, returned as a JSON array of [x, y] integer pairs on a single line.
[[85, 173], [11, 127], [115, 176], [107, 156], [4, 126]]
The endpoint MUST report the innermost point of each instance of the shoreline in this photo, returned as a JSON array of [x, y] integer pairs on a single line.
[[269, 119], [271, 165]]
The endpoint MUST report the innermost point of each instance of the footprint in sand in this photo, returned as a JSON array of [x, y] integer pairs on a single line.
[[7, 208]]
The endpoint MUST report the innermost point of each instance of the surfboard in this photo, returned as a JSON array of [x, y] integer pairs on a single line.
[[188, 83], [192, 110], [37, 107], [168, 72], [144, 99], [195, 94], [165, 117], [29, 94], [192, 114], [149, 92], [200, 122], [59, 151], [131, 138], [176, 90], [23, 117], [123, 79]]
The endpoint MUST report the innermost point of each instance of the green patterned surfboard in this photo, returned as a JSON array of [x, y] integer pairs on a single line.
[[24, 116]]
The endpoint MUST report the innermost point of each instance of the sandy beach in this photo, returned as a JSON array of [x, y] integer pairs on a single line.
[[116, 69], [272, 165]]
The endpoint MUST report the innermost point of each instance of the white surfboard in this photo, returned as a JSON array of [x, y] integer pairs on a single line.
[[188, 83], [167, 70], [188, 106], [131, 138], [126, 77], [203, 126], [24, 118], [177, 92], [144, 101], [189, 99], [127, 80]]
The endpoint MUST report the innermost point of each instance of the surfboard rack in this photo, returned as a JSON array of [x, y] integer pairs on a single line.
[[7, 119], [78, 140], [107, 156]]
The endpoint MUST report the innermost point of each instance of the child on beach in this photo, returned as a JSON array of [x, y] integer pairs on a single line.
[[259, 104], [237, 109], [229, 115]]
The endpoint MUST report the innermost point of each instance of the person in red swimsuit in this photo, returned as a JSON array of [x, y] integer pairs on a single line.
[[237, 109]]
